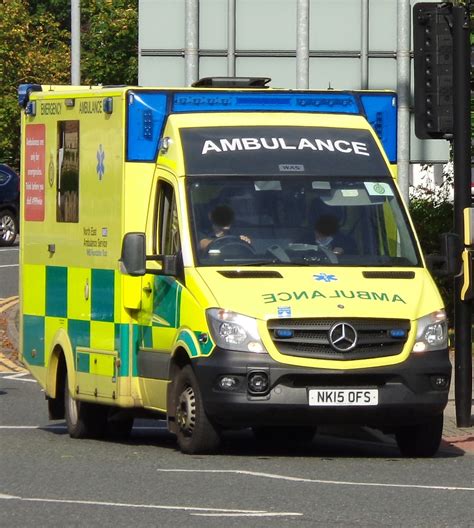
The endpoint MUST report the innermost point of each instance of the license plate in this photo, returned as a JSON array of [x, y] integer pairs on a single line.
[[342, 397]]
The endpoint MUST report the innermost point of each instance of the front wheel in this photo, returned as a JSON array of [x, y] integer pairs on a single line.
[[420, 440], [194, 431], [83, 419]]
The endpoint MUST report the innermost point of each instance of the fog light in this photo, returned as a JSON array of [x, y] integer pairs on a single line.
[[228, 382], [258, 382], [440, 381]]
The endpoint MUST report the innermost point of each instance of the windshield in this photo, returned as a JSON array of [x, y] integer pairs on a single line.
[[299, 220]]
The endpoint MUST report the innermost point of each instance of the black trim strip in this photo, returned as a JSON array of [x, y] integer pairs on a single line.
[[153, 364]]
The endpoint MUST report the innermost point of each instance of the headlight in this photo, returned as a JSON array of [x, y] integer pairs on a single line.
[[234, 331], [432, 332]]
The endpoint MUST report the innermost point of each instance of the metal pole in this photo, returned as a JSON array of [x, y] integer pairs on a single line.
[[302, 44], [364, 46], [231, 38], [462, 200], [75, 42], [191, 45], [403, 90]]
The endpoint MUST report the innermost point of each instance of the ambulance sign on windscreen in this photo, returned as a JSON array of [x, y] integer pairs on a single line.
[[34, 172], [270, 150]]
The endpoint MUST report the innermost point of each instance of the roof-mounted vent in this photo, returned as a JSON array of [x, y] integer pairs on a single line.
[[232, 82]]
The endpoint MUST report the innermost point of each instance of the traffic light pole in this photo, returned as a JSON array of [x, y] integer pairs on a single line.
[[462, 200]]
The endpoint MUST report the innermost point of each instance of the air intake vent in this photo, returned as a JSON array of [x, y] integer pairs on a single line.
[[389, 274], [247, 274], [232, 82]]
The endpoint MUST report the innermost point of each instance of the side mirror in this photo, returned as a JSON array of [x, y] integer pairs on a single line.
[[133, 258]]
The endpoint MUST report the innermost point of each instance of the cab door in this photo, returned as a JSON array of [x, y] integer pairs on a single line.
[[161, 296]]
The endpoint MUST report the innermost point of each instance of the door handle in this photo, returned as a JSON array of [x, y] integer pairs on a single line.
[[147, 289]]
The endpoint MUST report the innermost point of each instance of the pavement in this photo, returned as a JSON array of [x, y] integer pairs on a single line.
[[456, 440]]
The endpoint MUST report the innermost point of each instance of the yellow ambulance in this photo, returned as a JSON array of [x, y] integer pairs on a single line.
[[225, 256]]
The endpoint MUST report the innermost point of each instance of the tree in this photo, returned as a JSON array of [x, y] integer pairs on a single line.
[[32, 49], [109, 42], [35, 48]]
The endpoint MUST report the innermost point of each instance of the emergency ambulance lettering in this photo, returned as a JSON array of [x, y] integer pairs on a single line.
[[335, 294], [284, 296], [253, 143], [338, 144], [363, 295], [301, 295], [284, 146], [91, 107], [267, 146], [317, 294], [50, 108], [306, 143], [347, 295], [379, 297], [269, 298], [360, 148], [397, 298], [325, 145], [233, 144]]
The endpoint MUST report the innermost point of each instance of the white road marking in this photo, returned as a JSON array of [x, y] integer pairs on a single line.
[[64, 427], [266, 514], [318, 481], [8, 249], [9, 265], [19, 377], [32, 427], [205, 511]]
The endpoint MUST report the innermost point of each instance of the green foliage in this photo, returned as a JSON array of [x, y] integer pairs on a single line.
[[32, 49], [110, 42], [35, 48], [431, 219]]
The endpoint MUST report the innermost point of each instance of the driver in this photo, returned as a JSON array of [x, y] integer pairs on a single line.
[[221, 217], [327, 235]]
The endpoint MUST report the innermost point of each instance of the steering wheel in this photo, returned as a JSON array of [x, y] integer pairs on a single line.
[[227, 241]]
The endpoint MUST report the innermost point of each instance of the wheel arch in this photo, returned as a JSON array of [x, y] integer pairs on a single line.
[[179, 359], [61, 362]]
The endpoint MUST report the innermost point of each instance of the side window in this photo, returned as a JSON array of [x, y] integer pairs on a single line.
[[168, 226], [67, 197]]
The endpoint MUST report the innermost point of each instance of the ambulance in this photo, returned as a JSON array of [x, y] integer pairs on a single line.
[[225, 256]]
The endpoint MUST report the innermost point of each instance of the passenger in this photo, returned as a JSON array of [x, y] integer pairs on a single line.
[[222, 218]]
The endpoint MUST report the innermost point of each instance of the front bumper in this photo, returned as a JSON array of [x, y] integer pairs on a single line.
[[407, 392]]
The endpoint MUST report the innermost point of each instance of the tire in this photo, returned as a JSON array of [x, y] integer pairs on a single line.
[[194, 432], [8, 228], [271, 436], [420, 440], [83, 419]]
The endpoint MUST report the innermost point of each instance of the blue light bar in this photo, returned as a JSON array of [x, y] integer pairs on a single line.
[[341, 103], [381, 112], [146, 117], [147, 112]]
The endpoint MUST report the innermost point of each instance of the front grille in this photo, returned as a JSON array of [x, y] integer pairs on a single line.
[[309, 338]]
